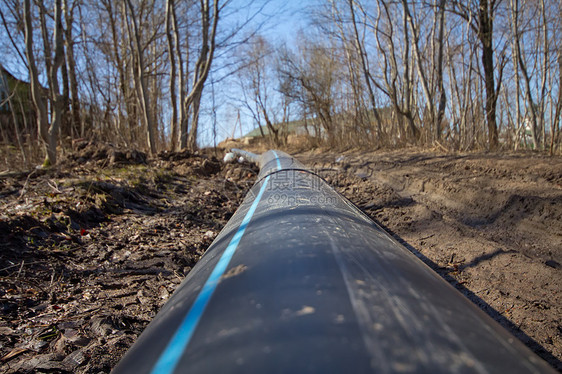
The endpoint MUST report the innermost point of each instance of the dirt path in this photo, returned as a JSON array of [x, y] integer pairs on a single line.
[[490, 224]]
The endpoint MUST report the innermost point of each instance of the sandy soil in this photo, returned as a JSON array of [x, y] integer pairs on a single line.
[[490, 224], [90, 251]]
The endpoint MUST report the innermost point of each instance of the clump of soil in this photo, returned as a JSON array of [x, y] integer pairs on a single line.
[[490, 224], [90, 152], [91, 251]]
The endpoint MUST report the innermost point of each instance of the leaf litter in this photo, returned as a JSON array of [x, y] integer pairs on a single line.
[[92, 249]]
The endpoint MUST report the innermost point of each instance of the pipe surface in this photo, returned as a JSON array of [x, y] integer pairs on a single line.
[[252, 157], [300, 280]]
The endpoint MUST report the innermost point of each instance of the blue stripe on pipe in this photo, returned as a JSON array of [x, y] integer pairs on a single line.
[[170, 357], [277, 159]]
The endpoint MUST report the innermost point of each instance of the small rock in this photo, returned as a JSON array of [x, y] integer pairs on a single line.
[[163, 293], [4, 330], [229, 158], [73, 360], [50, 361]]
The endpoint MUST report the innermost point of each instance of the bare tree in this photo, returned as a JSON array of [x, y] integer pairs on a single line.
[[313, 76], [141, 79], [481, 19], [485, 34], [398, 88], [172, 56], [555, 128], [48, 129], [363, 58], [440, 15], [257, 82], [209, 24], [182, 121], [515, 50], [69, 7], [527, 79], [418, 61]]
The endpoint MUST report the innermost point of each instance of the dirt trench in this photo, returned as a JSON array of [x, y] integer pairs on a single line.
[[490, 224]]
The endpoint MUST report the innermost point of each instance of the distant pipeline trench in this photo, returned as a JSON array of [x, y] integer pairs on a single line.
[[301, 281]]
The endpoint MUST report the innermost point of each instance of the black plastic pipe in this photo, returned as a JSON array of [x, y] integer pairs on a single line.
[[300, 280]]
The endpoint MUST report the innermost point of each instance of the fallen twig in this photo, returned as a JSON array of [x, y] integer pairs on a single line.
[[54, 186], [23, 189]]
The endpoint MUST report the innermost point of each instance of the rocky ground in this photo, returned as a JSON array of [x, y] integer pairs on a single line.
[[489, 224], [90, 251]]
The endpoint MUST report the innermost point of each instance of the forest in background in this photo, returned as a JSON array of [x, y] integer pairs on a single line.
[[157, 74]]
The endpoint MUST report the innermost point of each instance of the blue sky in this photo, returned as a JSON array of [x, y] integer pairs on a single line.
[[282, 20], [289, 17]]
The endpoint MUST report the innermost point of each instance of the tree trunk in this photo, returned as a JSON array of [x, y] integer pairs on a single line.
[[65, 127], [172, 58], [36, 91], [555, 132], [121, 70], [57, 99], [440, 84], [192, 137], [270, 127], [47, 132], [529, 96], [71, 65], [202, 68], [183, 119], [407, 77], [485, 34], [364, 66], [418, 61], [514, 4], [17, 129], [141, 80]]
